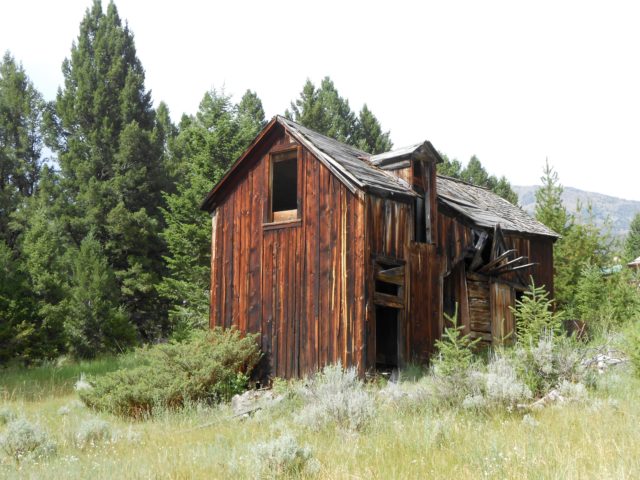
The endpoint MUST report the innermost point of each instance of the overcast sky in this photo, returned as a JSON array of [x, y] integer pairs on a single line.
[[511, 82]]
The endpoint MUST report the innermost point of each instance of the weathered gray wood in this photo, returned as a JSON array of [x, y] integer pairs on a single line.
[[388, 300], [496, 261], [392, 275]]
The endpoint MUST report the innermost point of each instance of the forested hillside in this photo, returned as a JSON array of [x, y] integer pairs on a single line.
[[618, 211]]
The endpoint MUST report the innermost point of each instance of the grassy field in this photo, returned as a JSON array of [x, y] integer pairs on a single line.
[[596, 438]]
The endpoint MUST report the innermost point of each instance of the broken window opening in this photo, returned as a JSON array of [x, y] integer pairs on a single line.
[[284, 186], [387, 288]]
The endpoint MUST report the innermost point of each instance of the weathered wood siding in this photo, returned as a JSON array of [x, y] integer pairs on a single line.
[[390, 228], [301, 284]]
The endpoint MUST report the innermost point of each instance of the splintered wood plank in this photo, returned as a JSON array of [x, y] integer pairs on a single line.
[[229, 260], [388, 300], [267, 301], [213, 293], [292, 295], [310, 319], [502, 297], [496, 261], [359, 285], [334, 272], [255, 251], [236, 257], [281, 303], [242, 260], [351, 262], [392, 275], [479, 306], [344, 306], [325, 234]]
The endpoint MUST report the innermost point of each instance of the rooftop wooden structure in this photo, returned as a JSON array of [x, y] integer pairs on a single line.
[[333, 254]]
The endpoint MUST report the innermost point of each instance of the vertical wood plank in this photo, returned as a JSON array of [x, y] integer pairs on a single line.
[[324, 259]]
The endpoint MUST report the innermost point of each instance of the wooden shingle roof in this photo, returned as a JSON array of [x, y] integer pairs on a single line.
[[486, 209], [360, 171], [352, 164]]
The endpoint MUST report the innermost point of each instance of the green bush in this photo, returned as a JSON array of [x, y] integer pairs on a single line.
[[210, 367], [606, 301]]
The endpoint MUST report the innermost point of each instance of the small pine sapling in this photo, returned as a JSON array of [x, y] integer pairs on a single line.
[[455, 349], [535, 318]]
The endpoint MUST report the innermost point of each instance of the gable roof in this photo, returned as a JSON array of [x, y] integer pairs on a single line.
[[360, 171], [355, 164], [486, 209], [351, 165]]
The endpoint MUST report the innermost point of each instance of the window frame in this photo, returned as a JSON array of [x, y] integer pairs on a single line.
[[272, 159]]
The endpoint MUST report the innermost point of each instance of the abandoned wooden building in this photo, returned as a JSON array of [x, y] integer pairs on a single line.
[[333, 254]]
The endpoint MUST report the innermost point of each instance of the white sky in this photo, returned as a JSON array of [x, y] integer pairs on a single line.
[[512, 82]]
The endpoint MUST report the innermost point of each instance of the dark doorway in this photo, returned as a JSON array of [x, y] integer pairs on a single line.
[[449, 294], [386, 337]]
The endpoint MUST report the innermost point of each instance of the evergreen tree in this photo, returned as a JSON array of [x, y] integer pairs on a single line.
[[111, 147], [632, 242], [582, 243], [325, 111], [205, 148], [476, 174], [19, 333], [368, 134], [450, 168], [549, 207], [43, 245], [94, 322], [21, 108]]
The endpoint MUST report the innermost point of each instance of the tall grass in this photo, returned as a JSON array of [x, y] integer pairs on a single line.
[[597, 439], [54, 378]]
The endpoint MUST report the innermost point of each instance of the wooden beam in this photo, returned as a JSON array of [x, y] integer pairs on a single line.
[[497, 260], [519, 267], [506, 266], [387, 300], [477, 259], [392, 275]]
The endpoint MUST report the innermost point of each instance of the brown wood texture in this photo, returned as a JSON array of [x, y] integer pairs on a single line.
[[299, 284], [502, 321], [308, 285]]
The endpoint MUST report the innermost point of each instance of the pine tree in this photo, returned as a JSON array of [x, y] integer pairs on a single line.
[[368, 134], [549, 207], [94, 321], [475, 173], [205, 147], [21, 108], [19, 333], [632, 242], [582, 243], [44, 248], [325, 111], [111, 149]]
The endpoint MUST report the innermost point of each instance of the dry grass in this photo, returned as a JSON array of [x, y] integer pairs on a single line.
[[597, 439]]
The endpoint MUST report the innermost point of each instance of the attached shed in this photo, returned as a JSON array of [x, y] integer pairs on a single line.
[[333, 254]]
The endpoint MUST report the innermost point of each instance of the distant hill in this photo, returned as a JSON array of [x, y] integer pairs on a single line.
[[619, 211]]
